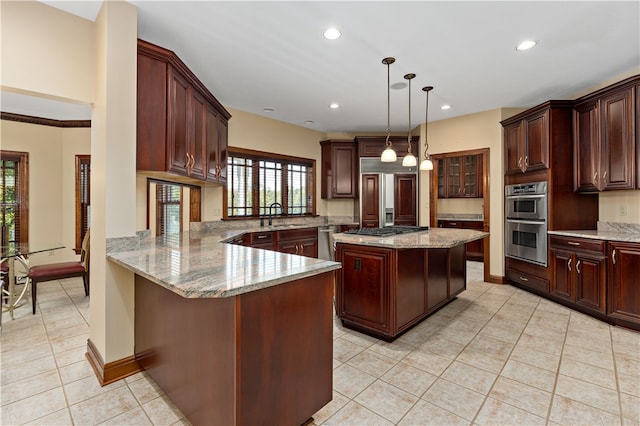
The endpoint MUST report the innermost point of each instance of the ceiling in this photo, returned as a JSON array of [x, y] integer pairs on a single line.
[[257, 55]]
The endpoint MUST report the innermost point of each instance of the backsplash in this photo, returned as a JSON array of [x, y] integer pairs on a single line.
[[628, 228], [254, 223]]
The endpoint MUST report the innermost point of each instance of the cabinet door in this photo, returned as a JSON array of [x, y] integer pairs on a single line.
[[512, 151], [344, 171], [590, 273], [370, 199], [454, 177], [536, 146], [363, 286], [308, 247], [471, 186], [212, 144], [442, 182], [405, 200], [178, 128], [197, 145], [617, 147], [624, 282], [586, 151], [562, 264], [223, 145]]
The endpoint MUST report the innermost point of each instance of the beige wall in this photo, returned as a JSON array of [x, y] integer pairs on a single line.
[[52, 152]]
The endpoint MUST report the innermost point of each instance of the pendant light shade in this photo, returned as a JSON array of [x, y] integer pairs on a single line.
[[409, 160], [426, 164], [388, 155]]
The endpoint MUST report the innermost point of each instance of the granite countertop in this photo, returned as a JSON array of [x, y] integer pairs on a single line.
[[460, 216], [609, 235], [198, 264], [433, 238]]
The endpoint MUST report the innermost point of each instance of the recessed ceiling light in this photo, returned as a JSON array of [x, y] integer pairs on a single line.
[[308, 122], [334, 106], [268, 109], [399, 86], [445, 107], [526, 45], [332, 34]]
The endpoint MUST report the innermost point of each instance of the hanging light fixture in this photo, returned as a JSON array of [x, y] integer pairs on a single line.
[[409, 160], [426, 164], [388, 155]]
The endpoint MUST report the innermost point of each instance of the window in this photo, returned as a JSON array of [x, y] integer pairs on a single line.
[[14, 196], [169, 209], [255, 180], [83, 198]]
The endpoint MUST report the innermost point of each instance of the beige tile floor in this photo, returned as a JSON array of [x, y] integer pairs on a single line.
[[496, 355]]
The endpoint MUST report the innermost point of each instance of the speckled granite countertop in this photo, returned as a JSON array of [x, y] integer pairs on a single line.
[[200, 265], [600, 235], [433, 238]]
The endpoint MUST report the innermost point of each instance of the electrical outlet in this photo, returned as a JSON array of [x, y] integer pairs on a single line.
[[623, 211], [50, 252]]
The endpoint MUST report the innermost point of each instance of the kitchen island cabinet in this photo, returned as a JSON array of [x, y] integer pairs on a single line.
[[389, 284], [232, 335]]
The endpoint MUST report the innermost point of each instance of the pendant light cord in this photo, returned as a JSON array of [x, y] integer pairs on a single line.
[[426, 123], [388, 62]]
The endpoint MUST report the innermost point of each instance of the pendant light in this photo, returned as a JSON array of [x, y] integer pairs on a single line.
[[409, 160], [426, 164], [388, 155]]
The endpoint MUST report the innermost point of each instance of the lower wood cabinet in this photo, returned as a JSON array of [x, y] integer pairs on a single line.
[[475, 249], [579, 272], [303, 242], [624, 283]]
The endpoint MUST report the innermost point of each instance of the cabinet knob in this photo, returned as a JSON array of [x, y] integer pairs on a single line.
[[569, 264]]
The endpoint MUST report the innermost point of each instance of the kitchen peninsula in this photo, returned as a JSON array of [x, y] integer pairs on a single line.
[[390, 283], [232, 334]]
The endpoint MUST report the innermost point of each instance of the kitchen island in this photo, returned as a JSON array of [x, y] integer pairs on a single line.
[[232, 334], [388, 284]]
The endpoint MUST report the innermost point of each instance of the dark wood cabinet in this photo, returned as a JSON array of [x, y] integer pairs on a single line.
[[526, 143], [339, 169], [303, 242], [405, 199], [579, 272], [383, 291], [181, 126], [475, 249], [372, 146], [460, 176], [624, 283], [370, 200], [604, 143]]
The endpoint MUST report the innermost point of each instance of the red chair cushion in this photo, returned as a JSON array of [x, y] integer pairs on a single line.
[[56, 269]]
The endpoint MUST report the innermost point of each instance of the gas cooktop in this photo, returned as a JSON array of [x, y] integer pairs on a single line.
[[387, 230]]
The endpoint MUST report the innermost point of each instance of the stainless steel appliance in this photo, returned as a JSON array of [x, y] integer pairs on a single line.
[[325, 241], [526, 222]]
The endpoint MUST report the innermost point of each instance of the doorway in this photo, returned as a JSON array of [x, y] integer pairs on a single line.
[[454, 180]]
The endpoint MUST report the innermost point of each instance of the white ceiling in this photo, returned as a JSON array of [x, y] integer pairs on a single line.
[[256, 55]]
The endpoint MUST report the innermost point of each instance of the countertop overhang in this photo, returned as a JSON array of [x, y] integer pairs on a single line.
[[202, 265], [596, 234], [433, 238]]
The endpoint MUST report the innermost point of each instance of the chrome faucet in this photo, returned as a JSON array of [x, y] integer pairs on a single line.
[[270, 207]]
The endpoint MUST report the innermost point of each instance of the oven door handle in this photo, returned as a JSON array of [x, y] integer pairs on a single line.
[[528, 222], [524, 196]]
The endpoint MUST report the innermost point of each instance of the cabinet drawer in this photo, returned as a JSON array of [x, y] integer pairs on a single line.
[[579, 244], [297, 234], [528, 280], [261, 237]]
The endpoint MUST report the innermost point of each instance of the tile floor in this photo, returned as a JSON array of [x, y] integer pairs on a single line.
[[496, 355]]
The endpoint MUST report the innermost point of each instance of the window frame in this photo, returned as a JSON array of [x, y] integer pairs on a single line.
[[22, 159], [80, 232], [285, 160]]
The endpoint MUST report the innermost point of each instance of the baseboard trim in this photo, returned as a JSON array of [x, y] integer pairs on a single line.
[[112, 371], [497, 279]]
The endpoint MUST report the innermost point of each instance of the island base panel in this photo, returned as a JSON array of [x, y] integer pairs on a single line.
[[264, 357]]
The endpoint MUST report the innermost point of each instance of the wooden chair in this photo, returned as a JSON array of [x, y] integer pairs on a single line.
[[61, 270]]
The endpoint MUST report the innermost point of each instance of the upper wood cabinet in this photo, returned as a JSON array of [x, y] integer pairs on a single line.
[[372, 146], [339, 169], [460, 176], [181, 126], [605, 153], [526, 142]]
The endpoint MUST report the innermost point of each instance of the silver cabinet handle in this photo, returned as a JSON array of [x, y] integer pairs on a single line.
[[604, 177], [613, 256], [595, 179], [261, 236], [569, 264], [571, 243], [523, 279], [526, 161], [578, 266], [520, 162]]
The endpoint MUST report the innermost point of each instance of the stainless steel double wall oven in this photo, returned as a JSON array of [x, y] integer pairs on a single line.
[[526, 213]]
